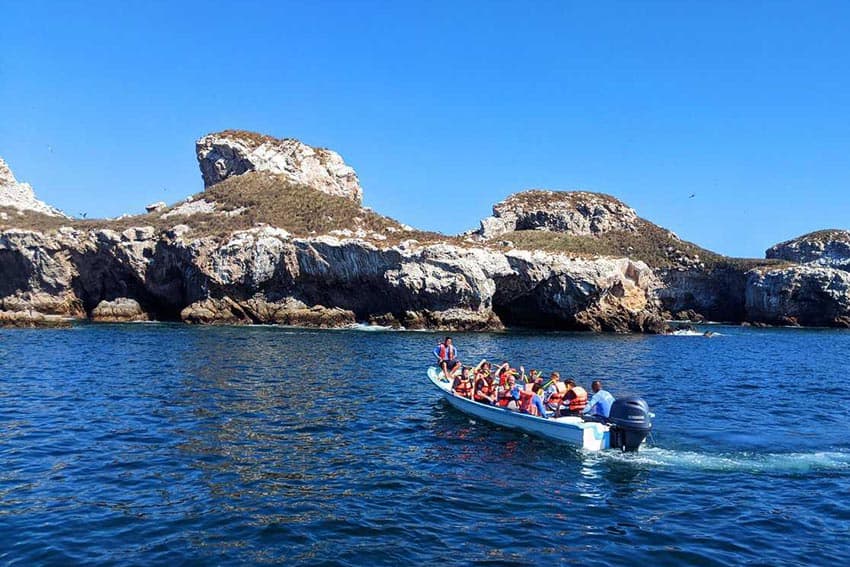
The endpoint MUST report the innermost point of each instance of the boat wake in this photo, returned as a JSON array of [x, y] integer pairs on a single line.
[[691, 334], [736, 462], [371, 328]]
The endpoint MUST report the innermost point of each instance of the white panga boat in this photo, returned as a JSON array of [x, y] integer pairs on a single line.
[[629, 423]]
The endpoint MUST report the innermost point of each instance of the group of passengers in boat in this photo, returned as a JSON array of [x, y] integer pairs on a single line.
[[515, 390]]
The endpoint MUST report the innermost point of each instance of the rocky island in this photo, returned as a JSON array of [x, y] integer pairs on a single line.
[[279, 235]]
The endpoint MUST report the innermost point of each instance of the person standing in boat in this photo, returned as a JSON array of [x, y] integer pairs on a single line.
[[599, 405], [446, 354]]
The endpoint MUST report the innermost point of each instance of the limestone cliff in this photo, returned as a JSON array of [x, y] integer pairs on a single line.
[[20, 196], [828, 248], [234, 152], [266, 275], [279, 236], [572, 212], [799, 295], [694, 283]]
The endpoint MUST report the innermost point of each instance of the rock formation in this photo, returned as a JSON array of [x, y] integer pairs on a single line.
[[119, 310], [578, 213], [829, 248], [279, 236], [264, 275], [20, 196], [799, 295], [234, 152]]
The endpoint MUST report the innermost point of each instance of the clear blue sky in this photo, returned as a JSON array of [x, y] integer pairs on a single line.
[[445, 108]]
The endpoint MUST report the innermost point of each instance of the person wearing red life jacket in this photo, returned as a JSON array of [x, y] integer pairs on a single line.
[[446, 354], [503, 372], [575, 399], [530, 401], [509, 395], [462, 385]]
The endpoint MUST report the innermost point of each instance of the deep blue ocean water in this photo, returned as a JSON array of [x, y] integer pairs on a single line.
[[170, 444]]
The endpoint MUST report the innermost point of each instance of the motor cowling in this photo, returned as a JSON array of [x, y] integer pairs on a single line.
[[631, 422]]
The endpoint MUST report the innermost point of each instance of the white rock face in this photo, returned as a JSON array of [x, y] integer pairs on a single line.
[[225, 154], [807, 295], [20, 195], [190, 208], [827, 248], [579, 213]]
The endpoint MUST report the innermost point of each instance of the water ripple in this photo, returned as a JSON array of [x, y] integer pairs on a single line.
[[164, 444]]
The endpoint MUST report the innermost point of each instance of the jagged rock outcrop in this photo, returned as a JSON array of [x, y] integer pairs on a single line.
[[579, 213], [233, 152], [264, 275], [799, 295], [119, 310], [31, 318], [829, 248], [715, 294], [21, 196], [223, 257]]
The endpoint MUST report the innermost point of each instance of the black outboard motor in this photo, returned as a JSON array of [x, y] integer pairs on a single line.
[[630, 423]]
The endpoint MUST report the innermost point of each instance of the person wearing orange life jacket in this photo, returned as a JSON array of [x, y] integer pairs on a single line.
[[555, 393], [576, 398], [483, 390], [462, 385], [508, 397], [446, 354]]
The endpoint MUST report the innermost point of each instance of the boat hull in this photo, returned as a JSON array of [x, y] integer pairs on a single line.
[[570, 430]]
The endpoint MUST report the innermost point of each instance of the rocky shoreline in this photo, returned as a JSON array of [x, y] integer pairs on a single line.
[[279, 236]]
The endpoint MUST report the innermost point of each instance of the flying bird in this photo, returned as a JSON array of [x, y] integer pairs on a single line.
[[692, 195]]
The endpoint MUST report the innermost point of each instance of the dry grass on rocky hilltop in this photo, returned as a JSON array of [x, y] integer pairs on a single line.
[[651, 244], [250, 199], [262, 198]]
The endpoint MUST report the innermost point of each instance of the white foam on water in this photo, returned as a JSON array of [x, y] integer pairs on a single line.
[[736, 462], [367, 327]]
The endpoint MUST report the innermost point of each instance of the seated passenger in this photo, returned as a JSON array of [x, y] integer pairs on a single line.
[[509, 395], [575, 398], [483, 390], [599, 406], [554, 394], [503, 372], [462, 385], [530, 401]]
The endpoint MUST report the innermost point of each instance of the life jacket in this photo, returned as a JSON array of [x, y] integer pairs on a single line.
[[505, 398], [579, 402], [504, 375], [526, 396], [483, 387], [447, 352], [557, 396], [463, 388]]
